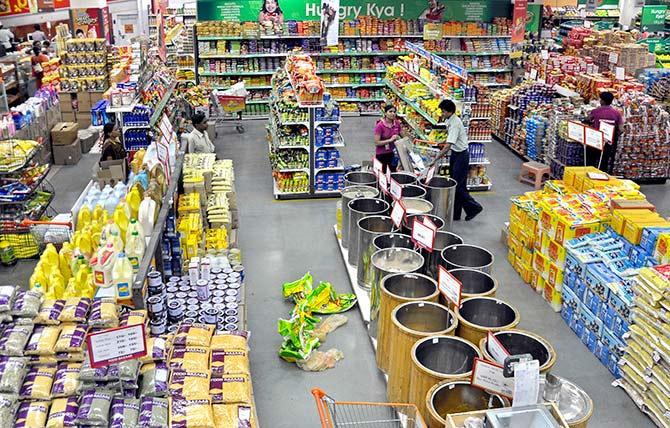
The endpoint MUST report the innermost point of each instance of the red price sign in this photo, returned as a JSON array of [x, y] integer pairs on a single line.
[[377, 166], [383, 183], [428, 222], [496, 349], [115, 345], [594, 138], [576, 131], [395, 189], [422, 235], [430, 174], [449, 286], [398, 213], [489, 377]]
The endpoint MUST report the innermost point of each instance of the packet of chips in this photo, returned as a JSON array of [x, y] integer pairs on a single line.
[[190, 384], [191, 413], [66, 381], [50, 311], [193, 334], [37, 383], [75, 309], [27, 304], [229, 362], [230, 389], [32, 414], [153, 412], [43, 340], [12, 372], [230, 340], [8, 405], [94, 407], [233, 416], [189, 357], [14, 339], [7, 293], [125, 413], [154, 379], [103, 314], [156, 350], [136, 317], [63, 413], [72, 338]]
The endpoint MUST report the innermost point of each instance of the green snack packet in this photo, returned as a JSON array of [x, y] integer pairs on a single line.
[[298, 289]]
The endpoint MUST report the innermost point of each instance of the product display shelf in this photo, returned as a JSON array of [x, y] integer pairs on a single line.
[[161, 105], [411, 103], [33, 188]]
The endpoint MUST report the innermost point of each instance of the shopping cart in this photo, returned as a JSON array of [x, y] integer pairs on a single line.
[[339, 414], [49, 232], [229, 105]]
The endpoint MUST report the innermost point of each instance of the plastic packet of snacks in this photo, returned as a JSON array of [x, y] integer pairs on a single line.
[[12, 372], [136, 317], [191, 413], [50, 311], [189, 357], [233, 416], [14, 339], [72, 338], [75, 309], [94, 407], [230, 389], [66, 382], [156, 350], [153, 412], [103, 314], [125, 413], [193, 334], [43, 360], [63, 413], [229, 362], [8, 405], [32, 414], [230, 340], [37, 383], [27, 304], [7, 293], [191, 384], [154, 381], [43, 340]]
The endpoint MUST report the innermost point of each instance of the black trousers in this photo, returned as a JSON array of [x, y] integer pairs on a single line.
[[607, 162], [387, 161], [459, 165]]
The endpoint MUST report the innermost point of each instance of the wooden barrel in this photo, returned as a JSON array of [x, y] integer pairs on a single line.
[[458, 396], [410, 322], [396, 289], [523, 342], [479, 315], [438, 358]]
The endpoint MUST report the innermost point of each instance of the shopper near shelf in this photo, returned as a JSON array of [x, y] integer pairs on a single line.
[[47, 49], [387, 132], [38, 35], [459, 161], [37, 60], [198, 139], [6, 37], [112, 147], [608, 114]]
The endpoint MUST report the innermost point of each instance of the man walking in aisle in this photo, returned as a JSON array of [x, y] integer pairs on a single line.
[[608, 114], [459, 161], [198, 139]]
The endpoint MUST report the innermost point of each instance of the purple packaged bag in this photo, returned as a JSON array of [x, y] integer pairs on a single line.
[[125, 413], [91, 374], [32, 414], [14, 339], [63, 413], [154, 379], [66, 382], [50, 311], [75, 309], [72, 338], [12, 372], [153, 412], [37, 383], [27, 304], [94, 407], [7, 293]]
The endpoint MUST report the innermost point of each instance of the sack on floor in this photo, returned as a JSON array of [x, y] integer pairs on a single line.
[[319, 361], [328, 325]]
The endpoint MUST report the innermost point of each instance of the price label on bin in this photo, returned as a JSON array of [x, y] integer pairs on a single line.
[[383, 183], [449, 286], [115, 345], [495, 348], [376, 165], [422, 235], [395, 189], [430, 174], [398, 213], [489, 377]]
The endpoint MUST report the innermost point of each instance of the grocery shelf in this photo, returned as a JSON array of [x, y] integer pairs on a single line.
[[123, 109], [161, 105], [493, 84], [124, 128], [353, 85], [328, 168], [354, 53], [248, 88], [481, 118], [480, 141], [303, 169], [351, 71], [29, 157], [258, 102], [327, 122], [278, 194], [32, 190], [282, 147], [359, 99], [249, 55], [334, 193], [435, 91], [489, 70], [419, 133], [466, 53], [237, 73], [418, 109]]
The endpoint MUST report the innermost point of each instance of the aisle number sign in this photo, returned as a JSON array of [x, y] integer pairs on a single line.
[[423, 235], [653, 17], [116, 345], [449, 286], [395, 189], [495, 348], [398, 213], [488, 376]]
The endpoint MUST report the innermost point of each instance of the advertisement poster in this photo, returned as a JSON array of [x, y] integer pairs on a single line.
[[533, 18], [279, 11], [14, 7], [86, 23], [519, 20], [330, 22]]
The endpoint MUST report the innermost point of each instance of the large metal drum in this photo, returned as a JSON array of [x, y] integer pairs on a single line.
[[393, 240], [417, 206], [359, 208], [475, 283], [364, 178], [467, 256], [479, 315], [404, 178], [408, 221], [441, 191], [413, 191], [348, 194], [458, 396], [518, 342], [369, 228], [385, 262], [433, 259]]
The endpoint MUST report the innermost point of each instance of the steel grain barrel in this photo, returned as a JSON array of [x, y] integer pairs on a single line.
[[369, 228], [441, 191], [359, 208], [348, 194], [479, 315]]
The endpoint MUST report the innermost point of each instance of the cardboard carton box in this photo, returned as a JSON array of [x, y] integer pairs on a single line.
[[110, 172], [95, 97], [69, 117], [84, 120], [64, 133], [65, 101], [88, 139], [67, 155]]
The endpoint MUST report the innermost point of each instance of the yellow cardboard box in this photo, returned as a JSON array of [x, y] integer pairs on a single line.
[[633, 229], [555, 276]]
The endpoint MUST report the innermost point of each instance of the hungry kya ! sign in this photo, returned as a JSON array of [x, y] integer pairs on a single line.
[[290, 10]]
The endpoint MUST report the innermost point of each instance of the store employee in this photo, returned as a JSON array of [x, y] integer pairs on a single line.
[[459, 161], [198, 140]]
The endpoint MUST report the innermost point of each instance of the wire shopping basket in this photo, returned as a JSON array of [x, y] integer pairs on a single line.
[[340, 414]]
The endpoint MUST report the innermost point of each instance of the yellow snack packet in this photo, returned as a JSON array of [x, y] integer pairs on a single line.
[[233, 415], [63, 413], [191, 413], [32, 414], [193, 334], [37, 383], [189, 357], [42, 340], [192, 384], [229, 362], [230, 340], [230, 389]]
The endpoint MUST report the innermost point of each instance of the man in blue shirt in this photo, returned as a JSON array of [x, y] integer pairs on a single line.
[[459, 161]]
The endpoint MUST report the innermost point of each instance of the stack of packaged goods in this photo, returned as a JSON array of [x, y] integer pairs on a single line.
[[84, 66], [645, 364], [536, 127], [541, 222], [657, 83]]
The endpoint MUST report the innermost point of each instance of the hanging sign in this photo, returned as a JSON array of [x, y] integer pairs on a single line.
[[376, 165], [432, 31], [653, 17], [330, 22], [489, 376], [519, 12], [593, 138], [395, 189], [449, 286], [115, 345], [607, 130], [422, 235], [576, 131], [496, 349], [398, 213]]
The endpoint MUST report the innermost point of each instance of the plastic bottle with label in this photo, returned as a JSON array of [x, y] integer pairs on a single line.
[[133, 199], [134, 226], [120, 217], [122, 276], [147, 215], [135, 246], [102, 271]]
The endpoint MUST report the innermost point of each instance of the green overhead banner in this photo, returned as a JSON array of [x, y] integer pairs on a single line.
[[653, 17], [533, 18], [278, 11]]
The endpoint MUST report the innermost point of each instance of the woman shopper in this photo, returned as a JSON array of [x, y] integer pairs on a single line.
[[112, 148], [387, 132], [37, 60], [459, 161]]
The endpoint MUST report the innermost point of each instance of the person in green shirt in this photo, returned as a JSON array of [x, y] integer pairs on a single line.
[[459, 161]]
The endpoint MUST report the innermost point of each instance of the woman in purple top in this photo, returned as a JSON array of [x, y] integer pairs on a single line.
[[387, 131], [605, 113]]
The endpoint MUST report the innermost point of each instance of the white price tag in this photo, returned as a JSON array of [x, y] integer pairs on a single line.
[[542, 80], [544, 54], [430, 174], [383, 183], [598, 176], [423, 235], [533, 74], [594, 138], [587, 24], [526, 75], [526, 383], [489, 376], [614, 57], [115, 345], [576, 131], [395, 189], [376, 166], [620, 73], [495, 348], [449, 286], [398, 213], [607, 130]]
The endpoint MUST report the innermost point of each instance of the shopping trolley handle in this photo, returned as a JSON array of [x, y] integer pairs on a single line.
[[318, 393], [27, 223]]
